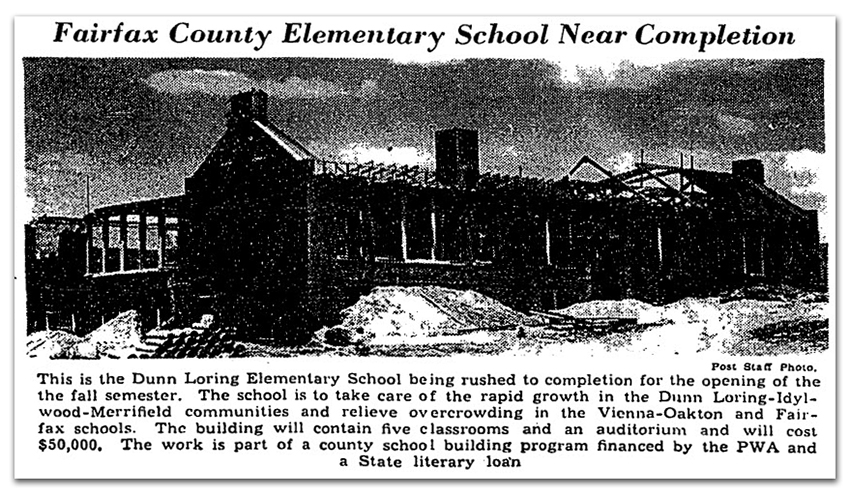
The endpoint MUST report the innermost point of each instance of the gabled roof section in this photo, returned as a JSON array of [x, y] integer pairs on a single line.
[[661, 177], [660, 181], [602, 172], [744, 193], [741, 192], [612, 186], [286, 142]]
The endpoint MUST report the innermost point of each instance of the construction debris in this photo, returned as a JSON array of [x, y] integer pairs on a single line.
[[615, 310], [772, 292], [118, 338], [50, 344], [189, 343], [436, 321]]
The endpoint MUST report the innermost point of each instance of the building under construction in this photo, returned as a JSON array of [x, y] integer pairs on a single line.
[[274, 241]]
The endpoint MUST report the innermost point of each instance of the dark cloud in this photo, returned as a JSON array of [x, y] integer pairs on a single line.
[[733, 107], [142, 125]]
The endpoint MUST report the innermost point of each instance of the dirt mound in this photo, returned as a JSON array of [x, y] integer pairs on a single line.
[[685, 311], [117, 338], [691, 311], [400, 314]]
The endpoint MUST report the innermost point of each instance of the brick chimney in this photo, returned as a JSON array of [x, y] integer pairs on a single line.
[[751, 168], [457, 156], [250, 105]]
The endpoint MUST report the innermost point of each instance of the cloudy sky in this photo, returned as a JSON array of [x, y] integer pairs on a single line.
[[139, 126]]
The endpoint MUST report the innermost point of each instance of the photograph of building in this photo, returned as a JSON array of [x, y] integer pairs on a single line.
[[274, 241]]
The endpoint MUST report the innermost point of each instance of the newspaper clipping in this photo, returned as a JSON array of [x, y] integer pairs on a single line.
[[425, 247]]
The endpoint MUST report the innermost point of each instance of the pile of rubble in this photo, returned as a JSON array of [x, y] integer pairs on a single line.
[[773, 292], [50, 344], [189, 343], [118, 338], [124, 337]]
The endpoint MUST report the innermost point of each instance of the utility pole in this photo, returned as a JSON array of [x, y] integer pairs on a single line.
[[88, 193]]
